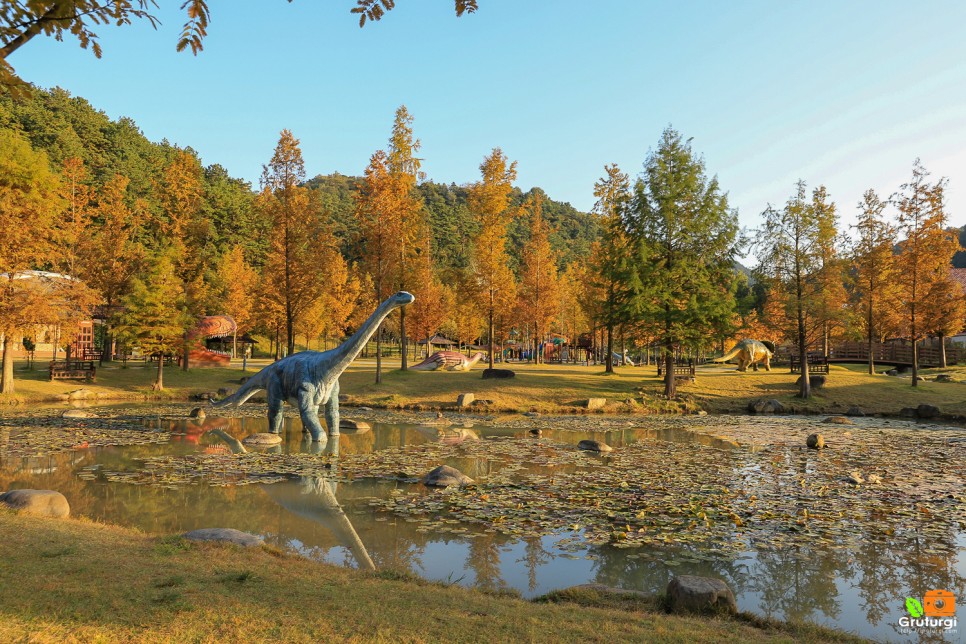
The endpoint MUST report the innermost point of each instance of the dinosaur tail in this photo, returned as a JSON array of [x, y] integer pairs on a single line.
[[728, 356], [429, 364], [251, 387]]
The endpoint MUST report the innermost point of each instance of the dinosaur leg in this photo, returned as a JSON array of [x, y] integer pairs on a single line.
[[310, 416], [275, 400], [754, 366], [767, 363], [332, 410]]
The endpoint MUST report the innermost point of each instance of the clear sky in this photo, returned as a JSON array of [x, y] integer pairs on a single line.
[[842, 93]]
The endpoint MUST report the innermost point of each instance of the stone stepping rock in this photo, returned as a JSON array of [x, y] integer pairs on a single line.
[[350, 426], [838, 420], [815, 441], [262, 439], [75, 413], [45, 503], [225, 535], [444, 476], [690, 594], [594, 446]]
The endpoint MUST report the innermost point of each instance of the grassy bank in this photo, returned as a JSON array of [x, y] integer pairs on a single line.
[[543, 388], [73, 580]]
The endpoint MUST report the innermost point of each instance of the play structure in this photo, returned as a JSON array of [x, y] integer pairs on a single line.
[[211, 327]]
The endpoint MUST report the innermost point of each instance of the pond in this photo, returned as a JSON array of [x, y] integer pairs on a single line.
[[740, 498]]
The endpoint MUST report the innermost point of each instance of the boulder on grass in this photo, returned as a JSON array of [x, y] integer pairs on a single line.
[[465, 400], [908, 412], [595, 403], [928, 411], [444, 476], [81, 394], [45, 503], [943, 377], [225, 391], [815, 381], [225, 535], [690, 594], [763, 406], [855, 410], [490, 374]]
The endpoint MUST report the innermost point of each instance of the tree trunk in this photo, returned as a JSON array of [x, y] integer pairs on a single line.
[[403, 349], [610, 349], [942, 349], [670, 388], [915, 350], [6, 381], [184, 353], [379, 354], [490, 327], [159, 383]]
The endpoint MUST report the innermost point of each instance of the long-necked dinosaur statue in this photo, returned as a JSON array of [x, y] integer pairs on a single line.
[[310, 379], [448, 361], [750, 352]]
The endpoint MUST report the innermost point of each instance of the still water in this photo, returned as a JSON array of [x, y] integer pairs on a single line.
[[860, 588]]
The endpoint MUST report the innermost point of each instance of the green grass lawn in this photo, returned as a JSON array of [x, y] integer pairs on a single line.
[[75, 580], [541, 388]]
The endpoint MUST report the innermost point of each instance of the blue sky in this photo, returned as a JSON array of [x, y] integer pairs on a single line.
[[842, 93]]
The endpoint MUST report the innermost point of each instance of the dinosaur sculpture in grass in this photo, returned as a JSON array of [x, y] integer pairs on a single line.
[[448, 361], [750, 352], [310, 379]]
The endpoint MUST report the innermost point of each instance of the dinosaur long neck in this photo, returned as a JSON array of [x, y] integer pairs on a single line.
[[348, 350]]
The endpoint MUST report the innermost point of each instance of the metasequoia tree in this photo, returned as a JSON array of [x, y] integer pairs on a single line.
[[925, 250], [489, 201], [412, 239], [186, 231], [611, 270], [538, 293], [237, 281], [790, 256], [433, 301], [830, 276], [22, 21], [153, 315], [685, 236], [77, 196], [873, 275], [29, 206], [377, 211]]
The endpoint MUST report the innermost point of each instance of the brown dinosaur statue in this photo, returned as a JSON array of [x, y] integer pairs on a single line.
[[750, 352], [448, 361]]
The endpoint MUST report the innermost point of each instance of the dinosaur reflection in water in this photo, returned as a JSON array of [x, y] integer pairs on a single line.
[[313, 498]]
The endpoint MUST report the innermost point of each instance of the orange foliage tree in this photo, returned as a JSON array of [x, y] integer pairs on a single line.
[[539, 291]]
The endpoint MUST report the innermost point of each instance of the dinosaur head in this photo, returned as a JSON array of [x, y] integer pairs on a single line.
[[402, 298]]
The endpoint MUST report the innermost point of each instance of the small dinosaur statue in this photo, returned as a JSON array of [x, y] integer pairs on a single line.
[[310, 379], [448, 360], [750, 352]]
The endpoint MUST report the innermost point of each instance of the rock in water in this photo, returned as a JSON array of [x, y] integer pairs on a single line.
[[444, 476], [45, 503], [689, 594], [594, 446], [225, 535], [465, 400], [80, 394], [489, 374], [855, 410], [75, 413], [838, 420], [350, 426], [927, 412], [198, 413], [262, 439], [815, 441]]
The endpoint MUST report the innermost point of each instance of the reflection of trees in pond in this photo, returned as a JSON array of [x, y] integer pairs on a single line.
[[484, 560], [534, 556], [612, 567], [799, 581]]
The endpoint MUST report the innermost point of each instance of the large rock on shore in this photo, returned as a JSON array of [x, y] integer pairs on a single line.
[[465, 400], [594, 446], [764, 406], [595, 403], [45, 503], [689, 594], [225, 535], [489, 374]]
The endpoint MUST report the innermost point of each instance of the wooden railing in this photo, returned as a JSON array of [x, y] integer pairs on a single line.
[[73, 370], [891, 353]]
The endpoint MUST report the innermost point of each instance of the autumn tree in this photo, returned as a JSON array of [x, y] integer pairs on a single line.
[[153, 316], [538, 293], [110, 255], [685, 242], [29, 206], [433, 301], [831, 301], [412, 239], [790, 256], [925, 250], [611, 271], [235, 290], [77, 196], [873, 273], [489, 201]]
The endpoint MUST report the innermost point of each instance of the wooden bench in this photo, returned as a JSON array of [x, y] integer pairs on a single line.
[[74, 370], [818, 364], [680, 370]]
